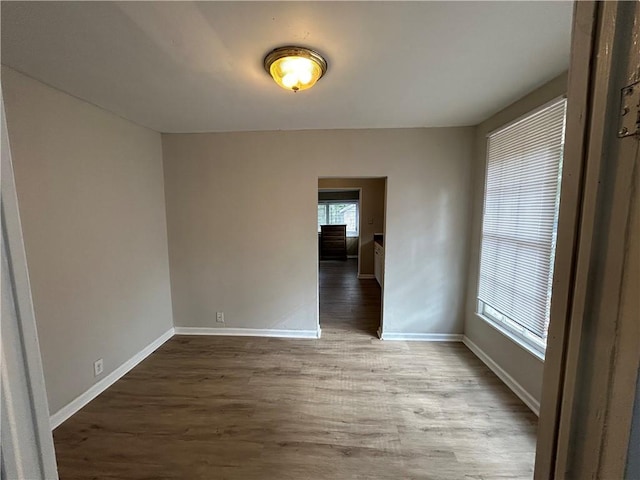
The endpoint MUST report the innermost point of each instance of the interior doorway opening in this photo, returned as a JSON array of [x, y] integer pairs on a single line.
[[351, 230]]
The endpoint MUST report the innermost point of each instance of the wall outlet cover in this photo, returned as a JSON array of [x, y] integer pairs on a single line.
[[98, 367], [219, 317]]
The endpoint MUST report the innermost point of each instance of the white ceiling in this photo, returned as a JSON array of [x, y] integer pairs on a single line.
[[196, 67]]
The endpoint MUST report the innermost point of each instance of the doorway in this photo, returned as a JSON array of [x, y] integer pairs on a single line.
[[351, 227]]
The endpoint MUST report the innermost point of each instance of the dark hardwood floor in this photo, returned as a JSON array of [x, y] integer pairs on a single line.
[[347, 406], [348, 307]]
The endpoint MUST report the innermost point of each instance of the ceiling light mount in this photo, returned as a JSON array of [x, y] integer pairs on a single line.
[[295, 68]]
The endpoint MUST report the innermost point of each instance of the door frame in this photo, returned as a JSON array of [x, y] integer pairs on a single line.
[[28, 451], [346, 189], [384, 229], [593, 351]]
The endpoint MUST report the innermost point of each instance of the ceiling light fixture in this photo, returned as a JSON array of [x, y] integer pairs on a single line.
[[295, 68]]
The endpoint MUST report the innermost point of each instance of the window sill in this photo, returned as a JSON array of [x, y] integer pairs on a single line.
[[512, 336]]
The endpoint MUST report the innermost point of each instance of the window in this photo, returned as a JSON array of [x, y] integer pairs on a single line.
[[339, 212], [522, 196]]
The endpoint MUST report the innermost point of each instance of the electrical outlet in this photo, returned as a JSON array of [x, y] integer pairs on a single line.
[[219, 317], [98, 367]]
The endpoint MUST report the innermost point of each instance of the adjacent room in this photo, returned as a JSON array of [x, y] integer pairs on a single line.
[[351, 254], [343, 273]]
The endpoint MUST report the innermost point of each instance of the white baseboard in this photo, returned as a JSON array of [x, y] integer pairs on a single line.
[[248, 332], [366, 276], [76, 404], [508, 380], [422, 337]]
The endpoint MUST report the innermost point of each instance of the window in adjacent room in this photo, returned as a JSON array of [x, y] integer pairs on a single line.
[[522, 196], [339, 213]]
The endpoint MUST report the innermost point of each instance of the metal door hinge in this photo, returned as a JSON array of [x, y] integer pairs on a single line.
[[630, 111]]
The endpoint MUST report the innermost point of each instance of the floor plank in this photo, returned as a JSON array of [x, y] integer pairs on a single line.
[[347, 406]]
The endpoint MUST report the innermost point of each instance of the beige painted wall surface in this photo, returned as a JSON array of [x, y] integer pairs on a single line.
[[242, 221], [352, 246], [371, 207], [90, 191], [524, 367]]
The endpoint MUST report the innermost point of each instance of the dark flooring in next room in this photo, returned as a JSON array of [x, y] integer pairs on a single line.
[[347, 406]]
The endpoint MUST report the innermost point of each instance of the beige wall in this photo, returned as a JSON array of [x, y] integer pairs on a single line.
[[90, 191], [525, 368], [352, 246], [242, 222], [371, 208]]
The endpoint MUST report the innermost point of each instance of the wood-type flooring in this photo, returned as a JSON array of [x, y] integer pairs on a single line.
[[346, 406]]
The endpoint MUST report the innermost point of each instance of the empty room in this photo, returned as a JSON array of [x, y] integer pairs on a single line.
[[319, 240]]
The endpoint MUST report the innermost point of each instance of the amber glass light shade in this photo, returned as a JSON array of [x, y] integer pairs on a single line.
[[295, 68]]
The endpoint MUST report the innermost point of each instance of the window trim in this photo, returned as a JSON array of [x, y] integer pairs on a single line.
[[511, 332], [507, 326], [523, 117]]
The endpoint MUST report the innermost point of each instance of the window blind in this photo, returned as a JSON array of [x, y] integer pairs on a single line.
[[524, 162]]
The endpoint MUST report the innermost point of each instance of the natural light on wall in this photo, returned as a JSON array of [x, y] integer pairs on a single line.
[[295, 68]]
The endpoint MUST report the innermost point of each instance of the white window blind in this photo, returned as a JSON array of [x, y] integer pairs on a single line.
[[524, 163]]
